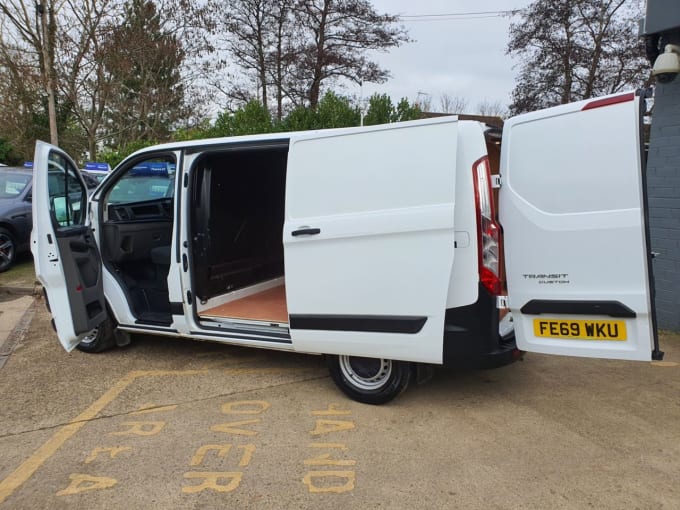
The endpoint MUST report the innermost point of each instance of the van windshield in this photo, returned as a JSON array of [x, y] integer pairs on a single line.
[[150, 180]]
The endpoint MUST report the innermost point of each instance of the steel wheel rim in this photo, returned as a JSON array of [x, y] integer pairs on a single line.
[[90, 337], [366, 373]]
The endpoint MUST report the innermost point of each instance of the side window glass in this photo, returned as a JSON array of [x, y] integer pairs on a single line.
[[11, 185], [67, 194], [150, 179]]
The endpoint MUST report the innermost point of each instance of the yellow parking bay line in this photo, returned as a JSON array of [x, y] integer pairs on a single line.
[[665, 363], [21, 474]]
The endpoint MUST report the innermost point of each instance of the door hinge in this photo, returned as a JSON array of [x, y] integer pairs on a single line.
[[502, 302], [496, 181]]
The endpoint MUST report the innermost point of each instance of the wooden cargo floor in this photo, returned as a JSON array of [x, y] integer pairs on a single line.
[[268, 305]]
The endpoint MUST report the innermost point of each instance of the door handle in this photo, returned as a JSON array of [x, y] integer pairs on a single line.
[[306, 231]]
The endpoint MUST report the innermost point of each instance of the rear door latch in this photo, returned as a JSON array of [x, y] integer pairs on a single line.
[[502, 302]]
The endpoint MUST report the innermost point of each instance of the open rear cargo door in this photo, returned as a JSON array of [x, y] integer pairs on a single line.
[[573, 210], [369, 239]]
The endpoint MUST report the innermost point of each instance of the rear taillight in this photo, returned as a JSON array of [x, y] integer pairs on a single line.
[[488, 231]]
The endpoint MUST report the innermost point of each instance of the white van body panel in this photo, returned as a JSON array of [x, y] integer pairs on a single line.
[[572, 209], [389, 237], [464, 282], [383, 201]]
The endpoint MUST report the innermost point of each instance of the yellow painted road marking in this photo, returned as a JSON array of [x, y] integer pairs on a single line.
[[332, 411], [348, 476], [113, 451], [221, 449], [341, 446], [246, 407], [140, 428], [21, 474], [328, 426], [82, 483], [665, 363], [211, 481], [257, 371], [231, 427], [150, 408]]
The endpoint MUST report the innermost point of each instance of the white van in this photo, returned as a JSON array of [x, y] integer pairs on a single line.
[[379, 246]]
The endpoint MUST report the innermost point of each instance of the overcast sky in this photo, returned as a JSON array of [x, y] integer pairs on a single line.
[[462, 57]]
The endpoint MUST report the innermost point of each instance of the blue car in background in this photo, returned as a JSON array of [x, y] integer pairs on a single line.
[[15, 213], [16, 218]]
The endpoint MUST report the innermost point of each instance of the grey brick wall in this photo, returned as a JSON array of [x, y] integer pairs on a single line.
[[663, 181]]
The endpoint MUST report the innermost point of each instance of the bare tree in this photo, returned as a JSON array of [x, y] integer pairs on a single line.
[[84, 83], [281, 57], [575, 49], [490, 108], [21, 98], [31, 27], [286, 50], [423, 101], [248, 26], [65, 63], [452, 104], [334, 39]]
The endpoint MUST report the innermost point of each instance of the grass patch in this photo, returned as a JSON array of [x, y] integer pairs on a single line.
[[21, 274]]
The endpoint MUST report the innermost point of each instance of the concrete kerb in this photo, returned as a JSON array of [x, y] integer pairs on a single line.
[[9, 292], [16, 314]]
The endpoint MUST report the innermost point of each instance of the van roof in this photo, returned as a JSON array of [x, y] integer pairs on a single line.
[[287, 135]]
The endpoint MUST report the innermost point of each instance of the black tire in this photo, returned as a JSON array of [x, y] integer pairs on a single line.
[[99, 339], [8, 249], [369, 380]]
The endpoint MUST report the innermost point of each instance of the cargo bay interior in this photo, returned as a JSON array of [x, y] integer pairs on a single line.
[[236, 224]]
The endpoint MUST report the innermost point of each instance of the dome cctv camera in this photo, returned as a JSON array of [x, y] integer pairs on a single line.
[[667, 65]]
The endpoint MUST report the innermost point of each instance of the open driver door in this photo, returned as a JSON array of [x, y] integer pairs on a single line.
[[65, 254]]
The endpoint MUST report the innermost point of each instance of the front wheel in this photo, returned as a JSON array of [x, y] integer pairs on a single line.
[[99, 339], [369, 380]]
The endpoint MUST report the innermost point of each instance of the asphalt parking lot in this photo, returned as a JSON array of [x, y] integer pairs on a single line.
[[181, 424]]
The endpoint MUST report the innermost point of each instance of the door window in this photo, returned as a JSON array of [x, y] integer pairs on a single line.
[[151, 179], [66, 191]]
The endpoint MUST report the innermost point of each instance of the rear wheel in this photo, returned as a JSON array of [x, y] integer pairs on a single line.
[[369, 380], [99, 339], [8, 249]]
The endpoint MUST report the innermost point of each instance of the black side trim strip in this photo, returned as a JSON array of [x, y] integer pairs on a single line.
[[177, 308], [368, 323], [153, 323], [610, 308]]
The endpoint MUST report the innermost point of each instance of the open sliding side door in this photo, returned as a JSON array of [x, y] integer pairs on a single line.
[[369, 239], [65, 254], [573, 210]]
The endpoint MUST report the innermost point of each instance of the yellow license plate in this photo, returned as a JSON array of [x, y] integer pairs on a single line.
[[580, 330]]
